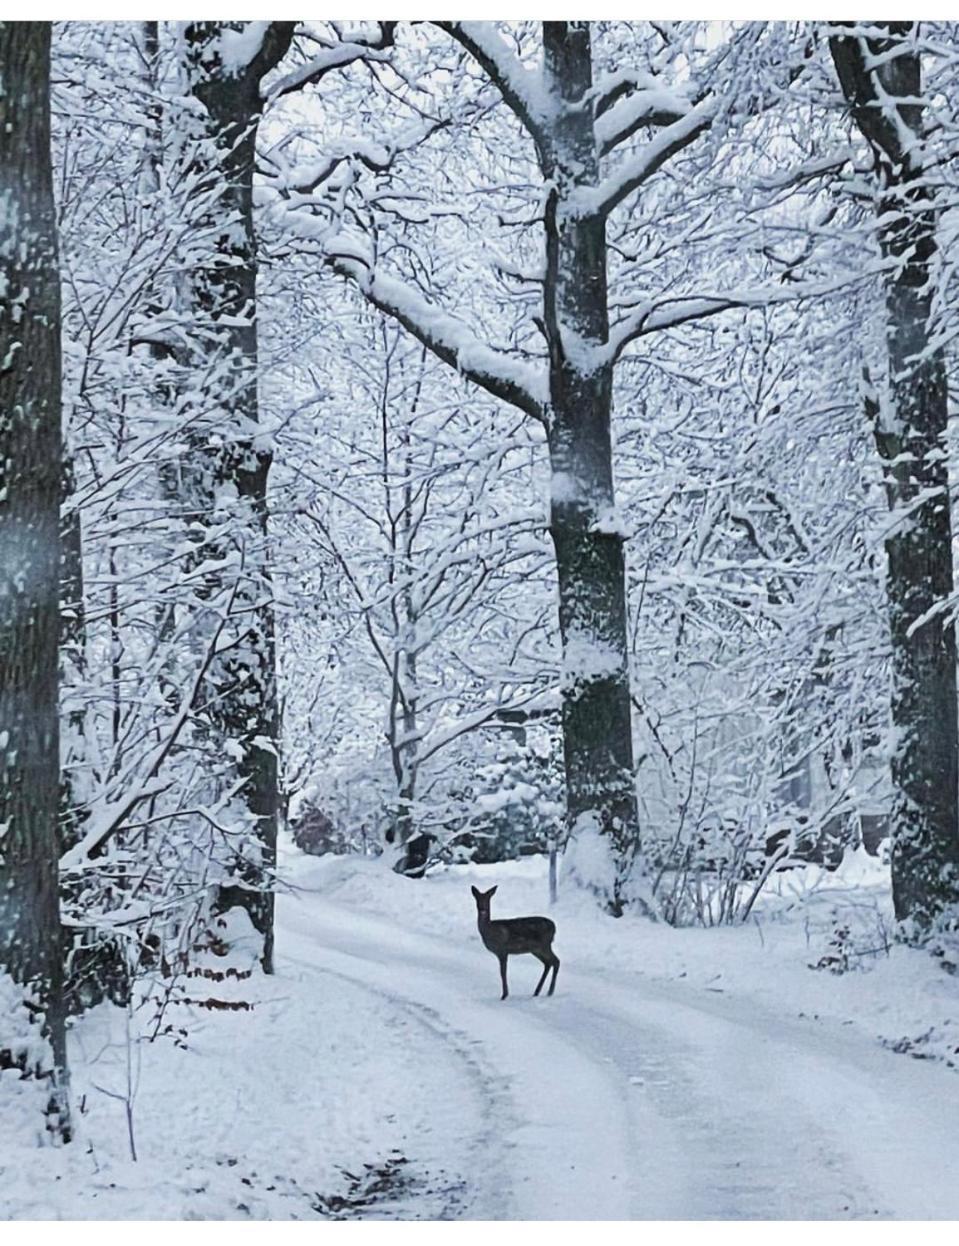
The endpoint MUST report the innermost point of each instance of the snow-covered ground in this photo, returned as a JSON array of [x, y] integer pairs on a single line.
[[675, 1074]]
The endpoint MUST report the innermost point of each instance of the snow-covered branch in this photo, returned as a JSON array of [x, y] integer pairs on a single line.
[[669, 313], [442, 333], [520, 87], [626, 101], [635, 170], [377, 157], [445, 734], [110, 816], [336, 57]]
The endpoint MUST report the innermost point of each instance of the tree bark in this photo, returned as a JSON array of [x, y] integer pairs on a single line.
[[597, 720], [244, 704], [30, 461], [910, 424]]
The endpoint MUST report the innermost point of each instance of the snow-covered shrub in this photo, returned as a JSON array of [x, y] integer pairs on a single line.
[[715, 874], [315, 832], [514, 807], [935, 1043], [22, 1044]]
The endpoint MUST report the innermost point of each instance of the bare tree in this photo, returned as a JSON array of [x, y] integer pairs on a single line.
[[577, 123]]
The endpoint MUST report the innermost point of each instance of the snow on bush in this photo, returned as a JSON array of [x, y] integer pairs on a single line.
[[23, 1050], [20, 1033]]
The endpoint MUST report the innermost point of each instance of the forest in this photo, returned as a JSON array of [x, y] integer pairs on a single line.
[[508, 455]]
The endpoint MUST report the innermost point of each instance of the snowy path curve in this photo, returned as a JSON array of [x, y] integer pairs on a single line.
[[621, 1098]]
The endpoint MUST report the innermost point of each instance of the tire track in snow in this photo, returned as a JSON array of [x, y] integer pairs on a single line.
[[561, 1132], [747, 1150], [839, 1128], [634, 1098], [483, 1199]]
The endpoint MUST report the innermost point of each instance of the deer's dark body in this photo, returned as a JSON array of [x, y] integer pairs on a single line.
[[516, 936]]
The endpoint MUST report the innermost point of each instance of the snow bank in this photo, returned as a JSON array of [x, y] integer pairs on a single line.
[[260, 1098]]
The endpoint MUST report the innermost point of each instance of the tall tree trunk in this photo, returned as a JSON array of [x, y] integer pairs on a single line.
[[597, 722], [882, 81], [30, 460], [244, 701]]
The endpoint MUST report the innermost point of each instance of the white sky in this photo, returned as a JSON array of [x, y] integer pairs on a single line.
[[114, 10]]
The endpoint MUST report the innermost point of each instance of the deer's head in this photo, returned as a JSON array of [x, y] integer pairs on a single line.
[[482, 899]]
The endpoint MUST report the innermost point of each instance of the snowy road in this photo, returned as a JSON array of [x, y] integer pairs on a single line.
[[620, 1098]]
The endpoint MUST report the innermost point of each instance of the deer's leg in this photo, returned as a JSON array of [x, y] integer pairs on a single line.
[[544, 957], [502, 973], [552, 985]]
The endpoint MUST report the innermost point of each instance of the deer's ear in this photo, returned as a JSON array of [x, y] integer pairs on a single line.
[[492, 890], [476, 894]]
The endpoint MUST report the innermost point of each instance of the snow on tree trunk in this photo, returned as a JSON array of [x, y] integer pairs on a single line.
[[30, 453], [243, 701], [910, 424], [597, 721]]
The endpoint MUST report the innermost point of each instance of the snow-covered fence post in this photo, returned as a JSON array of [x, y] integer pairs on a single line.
[[553, 863]]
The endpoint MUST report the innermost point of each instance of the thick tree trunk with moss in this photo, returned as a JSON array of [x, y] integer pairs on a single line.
[[882, 81], [30, 462], [597, 730], [243, 696]]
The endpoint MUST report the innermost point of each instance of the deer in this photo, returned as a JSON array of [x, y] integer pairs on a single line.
[[513, 936]]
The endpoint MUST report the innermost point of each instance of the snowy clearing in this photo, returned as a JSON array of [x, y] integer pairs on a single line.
[[676, 1074]]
